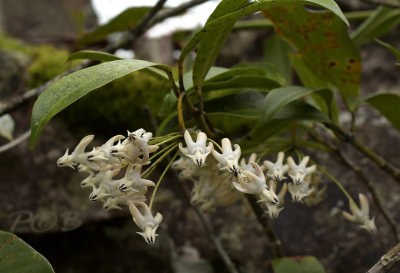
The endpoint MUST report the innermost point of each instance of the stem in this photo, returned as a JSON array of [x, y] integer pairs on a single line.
[[379, 161], [153, 166], [274, 242], [180, 113], [340, 186], [215, 143], [168, 139], [15, 142], [387, 261], [159, 180], [161, 151]]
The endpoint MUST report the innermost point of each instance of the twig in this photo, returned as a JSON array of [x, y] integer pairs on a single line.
[[379, 161], [273, 240], [15, 142], [12, 103], [384, 3], [367, 183], [387, 261], [140, 28]]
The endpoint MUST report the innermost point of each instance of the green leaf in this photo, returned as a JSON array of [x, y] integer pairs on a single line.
[[307, 264], [394, 51], [388, 104], [279, 97], [380, 22], [72, 87], [123, 21], [276, 51], [93, 55], [209, 47], [323, 46], [16, 256], [300, 110], [220, 23]]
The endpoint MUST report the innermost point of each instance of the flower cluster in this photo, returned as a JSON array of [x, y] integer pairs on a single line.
[[214, 183], [104, 163]]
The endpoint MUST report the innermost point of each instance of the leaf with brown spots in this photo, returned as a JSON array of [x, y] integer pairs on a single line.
[[322, 43]]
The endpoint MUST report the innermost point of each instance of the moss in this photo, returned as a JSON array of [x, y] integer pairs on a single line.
[[46, 61], [119, 105]]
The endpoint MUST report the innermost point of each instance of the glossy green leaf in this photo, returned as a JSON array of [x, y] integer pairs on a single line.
[[256, 82], [269, 70], [322, 44], [210, 46], [72, 87], [122, 22], [219, 23], [279, 97], [93, 55], [391, 48], [388, 104], [16, 256], [276, 51], [383, 20], [307, 264]]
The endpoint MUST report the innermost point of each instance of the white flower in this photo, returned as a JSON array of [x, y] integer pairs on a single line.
[[132, 180], [141, 138], [255, 184], [109, 150], [197, 151], [299, 191], [229, 158], [275, 209], [146, 222], [276, 170], [361, 215], [247, 166], [299, 172], [77, 156], [122, 199], [107, 187]]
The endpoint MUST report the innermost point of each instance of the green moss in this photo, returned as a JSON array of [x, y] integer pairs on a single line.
[[46, 61], [119, 105]]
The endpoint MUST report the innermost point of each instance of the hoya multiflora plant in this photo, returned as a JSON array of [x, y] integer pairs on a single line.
[[285, 123]]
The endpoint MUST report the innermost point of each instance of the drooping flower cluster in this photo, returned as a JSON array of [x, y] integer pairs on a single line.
[[214, 183], [104, 163]]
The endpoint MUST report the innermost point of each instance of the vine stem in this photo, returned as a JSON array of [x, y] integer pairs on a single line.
[[361, 147]]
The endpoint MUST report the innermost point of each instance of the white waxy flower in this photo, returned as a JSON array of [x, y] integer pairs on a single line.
[[122, 199], [361, 215], [276, 170], [77, 156], [299, 172], [275, 209], [132, 180], [197, 151], [255, 184], [247, 166], [109, 151], [299, 191], [107, 186], [141, 138], [146, 222], [229, 158]]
